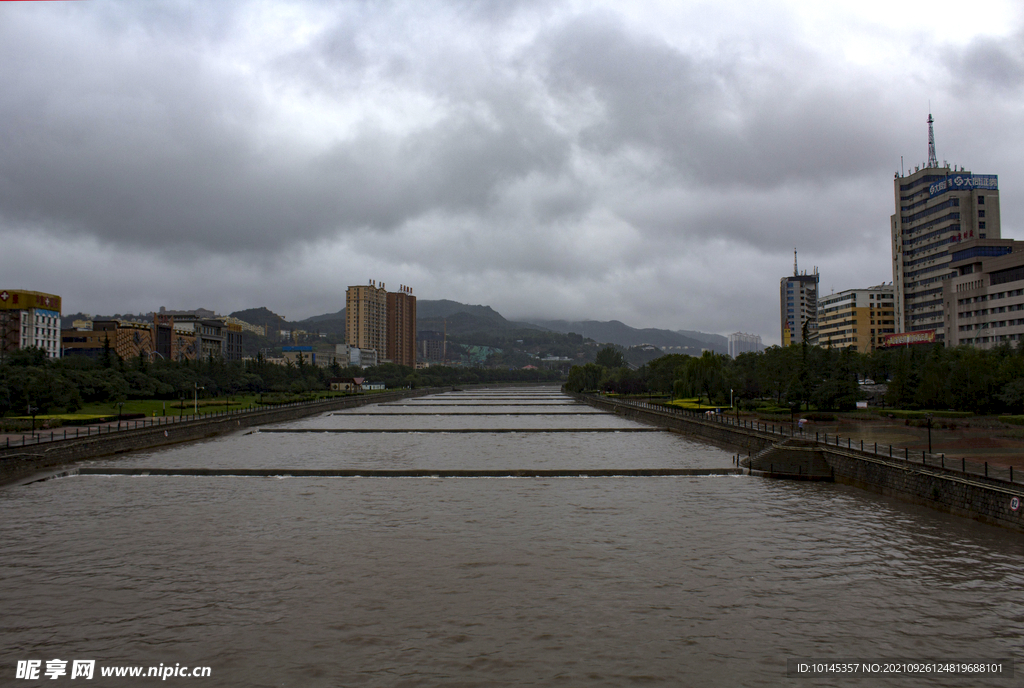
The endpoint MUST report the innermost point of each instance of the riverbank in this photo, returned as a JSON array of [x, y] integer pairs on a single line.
[[28, 460]]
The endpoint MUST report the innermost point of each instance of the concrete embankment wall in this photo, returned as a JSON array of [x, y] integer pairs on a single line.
[[747, 440], [946, 489], [18, 463]]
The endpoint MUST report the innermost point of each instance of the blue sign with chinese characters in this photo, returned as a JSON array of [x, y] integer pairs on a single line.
[[964, 182]]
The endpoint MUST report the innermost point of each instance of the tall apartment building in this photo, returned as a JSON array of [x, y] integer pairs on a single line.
[[382, 321], [798, 304], [29, 318], [401, 325], [366, 317], [936, 209], [740, 343], [856, 318]]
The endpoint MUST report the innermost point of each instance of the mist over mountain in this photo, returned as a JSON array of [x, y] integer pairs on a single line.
[[615, 332]]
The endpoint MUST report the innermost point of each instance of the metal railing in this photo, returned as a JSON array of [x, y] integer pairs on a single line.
[[786, 430]]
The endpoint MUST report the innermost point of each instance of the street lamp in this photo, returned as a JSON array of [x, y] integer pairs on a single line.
[[181, 405], [120, 406], [195, 400], [929, 419], [32, 412]]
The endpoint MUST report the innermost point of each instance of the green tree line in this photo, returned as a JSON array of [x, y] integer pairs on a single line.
[[29, 378], [917, 377]]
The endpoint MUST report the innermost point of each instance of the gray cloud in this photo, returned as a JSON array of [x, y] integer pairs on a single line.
[[533, 155]]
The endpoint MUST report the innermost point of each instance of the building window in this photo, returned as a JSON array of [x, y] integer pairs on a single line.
[[981, 213], [981, 200], [981, 225]]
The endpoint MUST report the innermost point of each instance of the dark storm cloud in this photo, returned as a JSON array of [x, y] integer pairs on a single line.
[[166, 151], [146, 143], [721, 119], [468, 146], [989, 63]]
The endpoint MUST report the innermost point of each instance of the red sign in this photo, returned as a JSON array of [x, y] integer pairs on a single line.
[[907, 338]]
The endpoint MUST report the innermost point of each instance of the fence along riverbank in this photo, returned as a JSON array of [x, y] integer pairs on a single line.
[[24, 461], [961, 487]]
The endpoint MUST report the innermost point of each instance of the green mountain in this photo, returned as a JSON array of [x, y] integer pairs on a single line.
[[262, 316]]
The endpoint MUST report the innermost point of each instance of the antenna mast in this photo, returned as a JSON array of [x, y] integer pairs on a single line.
[[933, 161], [795, 273]]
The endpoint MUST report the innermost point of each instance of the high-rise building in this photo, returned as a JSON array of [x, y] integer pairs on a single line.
[[382, 321], [366, 312], [430, 345], [740, 343], [856, 318], [401, 324], [29, 318], [798, 306], [936, 208]]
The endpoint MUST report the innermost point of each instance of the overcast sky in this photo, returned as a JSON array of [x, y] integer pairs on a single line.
[[650, 162]]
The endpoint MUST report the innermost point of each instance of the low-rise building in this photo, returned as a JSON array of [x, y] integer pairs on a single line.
[[29, 318], [297, 355], [346, 384], [129, 339], [856, 318], [348, 355], [983, 302]]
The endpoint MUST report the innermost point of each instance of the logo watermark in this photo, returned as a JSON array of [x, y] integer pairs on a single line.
[[36, 669]]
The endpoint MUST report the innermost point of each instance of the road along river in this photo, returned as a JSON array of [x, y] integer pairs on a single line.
[[610, 581]]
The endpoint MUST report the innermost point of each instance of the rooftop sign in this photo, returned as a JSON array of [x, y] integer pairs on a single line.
[[964, 182], [18, 299]]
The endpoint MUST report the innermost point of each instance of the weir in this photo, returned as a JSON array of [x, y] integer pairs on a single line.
[[454, 431], [408, 473]]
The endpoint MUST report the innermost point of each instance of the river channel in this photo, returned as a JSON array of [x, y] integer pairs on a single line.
[[664, 581]]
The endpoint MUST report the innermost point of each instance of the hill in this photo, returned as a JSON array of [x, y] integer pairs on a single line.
[[430, 315], [615, 332], [261, 316]]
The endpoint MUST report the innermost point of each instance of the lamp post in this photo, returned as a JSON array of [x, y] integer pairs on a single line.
[[181, 405], [195, 400], [929, 419], [120, 407], [32, 412]]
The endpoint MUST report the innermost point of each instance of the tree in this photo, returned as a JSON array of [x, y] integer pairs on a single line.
[[705, 375], [610, 358], [584, 378]]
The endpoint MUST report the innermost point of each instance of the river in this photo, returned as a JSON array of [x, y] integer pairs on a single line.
[[671, 581]]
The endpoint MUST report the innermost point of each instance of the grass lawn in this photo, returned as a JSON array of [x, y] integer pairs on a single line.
[[174, 407]]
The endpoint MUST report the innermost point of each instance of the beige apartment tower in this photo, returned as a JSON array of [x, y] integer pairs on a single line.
[[937, 208], [366, 309]]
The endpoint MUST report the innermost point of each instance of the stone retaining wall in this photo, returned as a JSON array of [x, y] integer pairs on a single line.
[[747, 440], [19, 463]]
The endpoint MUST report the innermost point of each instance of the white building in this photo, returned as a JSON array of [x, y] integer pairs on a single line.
[[741, 343]]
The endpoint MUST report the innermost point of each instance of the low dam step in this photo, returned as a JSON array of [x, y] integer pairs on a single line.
[[409, 473], [456, 430], [472, 413]]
